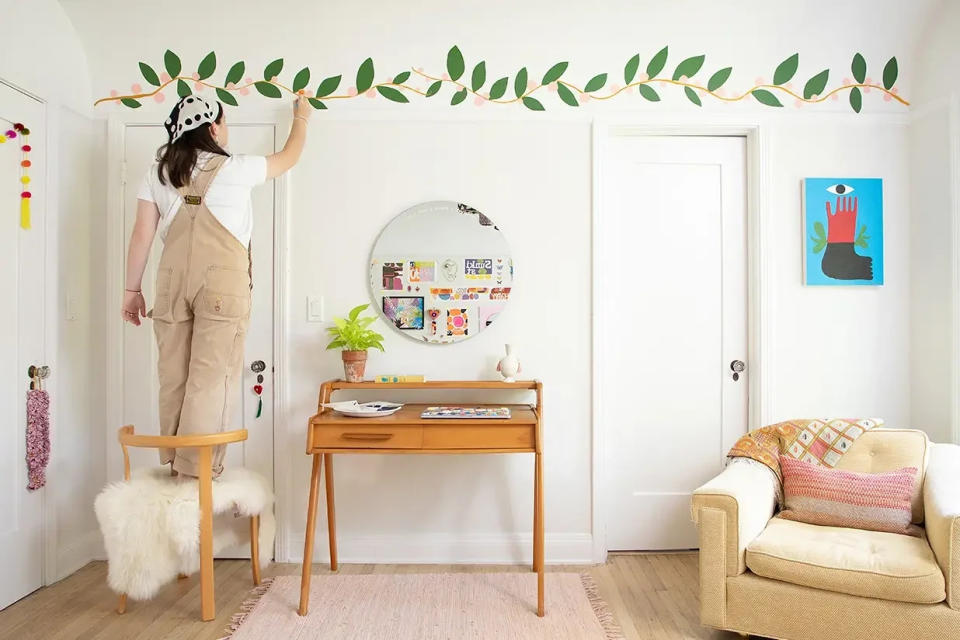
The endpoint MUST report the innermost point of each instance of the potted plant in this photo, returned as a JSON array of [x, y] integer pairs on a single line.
[[352, 335]]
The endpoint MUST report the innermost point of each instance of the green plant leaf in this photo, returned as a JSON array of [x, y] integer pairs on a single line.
[[366, 322], [786, 69], [567, 95], [692, 96], [631, 68], [130, 102], [498, 88], [226, 97], [340, 323], [401, 77], [533, 104], [596, 82], [183, 89], [890, 71], [336, 344], [149, 74], [171, 63], [365, 75], [273, 69], [479, 76], [688, 67], [267, 89], [553, 73], [520, 82], [657, 63], [328, 86], [459, 96], [716, 80], [207, 66], [300, 80], [856, 99], [316, 104], [455, 66], [392, 94], [356, 311], [432, 90], [649, 93], [816, 84], [236, 73], [859, 68], [765, 97]]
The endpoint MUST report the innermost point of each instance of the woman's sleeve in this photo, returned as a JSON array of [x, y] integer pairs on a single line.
[[145, 192], [251, 170]]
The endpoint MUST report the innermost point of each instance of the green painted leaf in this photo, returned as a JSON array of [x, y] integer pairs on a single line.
[[171, 63], [130, 102], [226, 97], [183, 89], [786, 69], [392, 94], [765, 97], [401, 77], [267, 89], [596, 82], [301, 80], [459, 96], [553, 73], [859, 68], [434, 88], [498, 88], [316, 104], [479, 76], [649, 93], [273, 69], [818, 244], [856, 99], [716, 80], [455, 66], [149, 74], [688, 67], [692, 96], [365, 75], [890, 71], [207, 66], [816, 84], [657, 63], [520, 82], [236, 73], [819, 230], [328, 86], [533, 104], [567, 95], [630, 70]]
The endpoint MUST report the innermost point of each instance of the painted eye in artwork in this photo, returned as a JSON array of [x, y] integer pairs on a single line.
[[840, 189]]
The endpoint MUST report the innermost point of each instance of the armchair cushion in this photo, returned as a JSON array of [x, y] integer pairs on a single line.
[[871, 564], [941, 493]]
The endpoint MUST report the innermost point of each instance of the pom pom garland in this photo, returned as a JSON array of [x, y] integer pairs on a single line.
[[25, 195]]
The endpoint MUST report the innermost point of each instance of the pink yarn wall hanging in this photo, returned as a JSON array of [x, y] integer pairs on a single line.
[[38, 438]]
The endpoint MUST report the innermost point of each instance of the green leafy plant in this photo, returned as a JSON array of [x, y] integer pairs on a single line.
[[352, 333]]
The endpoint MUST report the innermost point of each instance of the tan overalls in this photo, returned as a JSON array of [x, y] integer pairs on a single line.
[[200, 317]]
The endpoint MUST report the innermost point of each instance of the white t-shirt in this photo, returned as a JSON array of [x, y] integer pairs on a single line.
[[228, 196]]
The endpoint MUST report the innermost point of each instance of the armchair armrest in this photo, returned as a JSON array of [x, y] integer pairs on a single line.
[[941, 506]]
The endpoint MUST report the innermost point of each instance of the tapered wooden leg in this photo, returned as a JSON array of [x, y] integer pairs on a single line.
[[255, 548], [536, 513], [122, 604], [538, 547], [331, 511], [308, 535], [207, 604]]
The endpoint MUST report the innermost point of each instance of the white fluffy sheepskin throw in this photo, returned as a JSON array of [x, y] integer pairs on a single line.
[[151, 525]]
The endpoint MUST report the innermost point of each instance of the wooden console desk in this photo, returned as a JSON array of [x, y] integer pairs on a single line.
[[406, 432]]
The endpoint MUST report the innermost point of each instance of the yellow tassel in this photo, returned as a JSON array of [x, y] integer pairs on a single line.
[[24, 213]]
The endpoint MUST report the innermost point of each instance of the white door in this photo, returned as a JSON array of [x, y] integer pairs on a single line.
[[139, 345], [22, 267], [673, 316]]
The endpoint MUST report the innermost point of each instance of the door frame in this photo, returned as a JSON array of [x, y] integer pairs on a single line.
[[759, 285], [117, 125]]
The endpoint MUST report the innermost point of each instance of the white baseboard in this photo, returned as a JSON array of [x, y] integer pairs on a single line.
[[78, 552], [506, 548]]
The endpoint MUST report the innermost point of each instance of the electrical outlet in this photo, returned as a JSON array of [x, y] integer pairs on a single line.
[[314, 308]]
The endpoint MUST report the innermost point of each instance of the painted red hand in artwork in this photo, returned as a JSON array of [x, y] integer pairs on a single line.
[[840, 259], [842, 225]]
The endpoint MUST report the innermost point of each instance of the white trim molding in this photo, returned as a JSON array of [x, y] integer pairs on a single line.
[[954, 142]]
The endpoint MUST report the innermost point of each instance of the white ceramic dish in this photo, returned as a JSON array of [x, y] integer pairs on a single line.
[[354, 409]]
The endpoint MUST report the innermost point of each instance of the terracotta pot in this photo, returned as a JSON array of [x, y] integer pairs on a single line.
[[354, 363]]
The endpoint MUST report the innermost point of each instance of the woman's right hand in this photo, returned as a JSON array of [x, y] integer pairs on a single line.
[[302, 108], [134, 307]]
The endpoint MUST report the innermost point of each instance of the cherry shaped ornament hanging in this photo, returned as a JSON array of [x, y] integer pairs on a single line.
[[258, 389]]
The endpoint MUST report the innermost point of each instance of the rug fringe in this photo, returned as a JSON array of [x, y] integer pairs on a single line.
[[247, 607], [605, 617]]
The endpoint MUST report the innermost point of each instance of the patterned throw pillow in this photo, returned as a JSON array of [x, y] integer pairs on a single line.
[[834, 498]]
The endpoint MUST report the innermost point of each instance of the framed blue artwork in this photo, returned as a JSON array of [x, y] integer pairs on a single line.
[[843, 231]]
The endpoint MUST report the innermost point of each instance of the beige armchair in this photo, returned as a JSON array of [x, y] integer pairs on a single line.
[[771, 577]]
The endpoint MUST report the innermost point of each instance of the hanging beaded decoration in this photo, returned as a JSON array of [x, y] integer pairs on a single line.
[[25, 195]]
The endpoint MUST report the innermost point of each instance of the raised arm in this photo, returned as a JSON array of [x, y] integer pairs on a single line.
[[145, 227], [941, 507], [281, 161]]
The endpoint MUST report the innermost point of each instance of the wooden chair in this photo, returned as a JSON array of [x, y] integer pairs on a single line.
[[205, 444]]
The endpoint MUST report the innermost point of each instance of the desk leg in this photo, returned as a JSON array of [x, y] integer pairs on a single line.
[[536, 511], [308, 535], [331, 512], [538, 533]]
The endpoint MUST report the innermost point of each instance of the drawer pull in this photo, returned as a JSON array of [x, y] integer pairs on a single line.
[[367, 437]]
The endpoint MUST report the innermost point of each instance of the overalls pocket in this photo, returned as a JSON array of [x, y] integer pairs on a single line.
[[163, 296], [225, 294]]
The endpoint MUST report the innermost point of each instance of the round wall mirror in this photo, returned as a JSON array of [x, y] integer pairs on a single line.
[[441, 272]]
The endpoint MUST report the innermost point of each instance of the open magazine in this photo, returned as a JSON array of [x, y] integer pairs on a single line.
[[466, 412]]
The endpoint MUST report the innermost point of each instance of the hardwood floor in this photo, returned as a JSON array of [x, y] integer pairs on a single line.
[[653, 596]]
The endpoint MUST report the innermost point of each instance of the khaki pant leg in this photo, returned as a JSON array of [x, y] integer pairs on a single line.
[[174, 336]]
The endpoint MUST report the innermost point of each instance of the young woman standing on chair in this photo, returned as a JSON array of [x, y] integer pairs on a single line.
[[197, 196]]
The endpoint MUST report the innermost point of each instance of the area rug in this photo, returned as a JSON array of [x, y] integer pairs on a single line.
[[428, 606]]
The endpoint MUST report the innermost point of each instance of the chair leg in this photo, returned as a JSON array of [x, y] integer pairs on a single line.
[[182, 576], [207, 604], [255, 548], [122, 604]]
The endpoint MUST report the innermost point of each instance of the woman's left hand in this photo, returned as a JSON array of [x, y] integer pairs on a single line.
[[134, 307]]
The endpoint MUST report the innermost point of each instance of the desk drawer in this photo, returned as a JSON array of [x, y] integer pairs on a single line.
[[478, 437], [367, 437]]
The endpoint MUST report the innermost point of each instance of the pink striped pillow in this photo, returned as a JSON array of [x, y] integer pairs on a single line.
[[834, 498]]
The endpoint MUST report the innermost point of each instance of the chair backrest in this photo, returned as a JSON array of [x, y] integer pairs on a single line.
[[880, 450], [205, 442]]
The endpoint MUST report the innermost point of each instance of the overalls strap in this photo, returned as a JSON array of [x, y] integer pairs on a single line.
[[193, 192]]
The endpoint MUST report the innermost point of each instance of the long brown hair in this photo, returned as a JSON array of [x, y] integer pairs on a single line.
[[176, 160]]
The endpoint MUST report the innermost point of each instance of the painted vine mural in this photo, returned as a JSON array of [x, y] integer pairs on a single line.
[[649, 82]]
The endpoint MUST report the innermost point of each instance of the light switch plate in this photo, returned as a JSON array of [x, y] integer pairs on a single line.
[[314, 308]]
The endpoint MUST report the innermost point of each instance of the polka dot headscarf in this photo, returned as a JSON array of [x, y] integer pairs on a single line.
[[189, 113]]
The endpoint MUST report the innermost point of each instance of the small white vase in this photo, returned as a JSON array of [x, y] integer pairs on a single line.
[[509, 366]]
